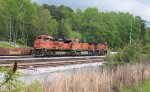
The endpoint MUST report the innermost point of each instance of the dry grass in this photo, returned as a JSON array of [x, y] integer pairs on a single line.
[[99, 80]]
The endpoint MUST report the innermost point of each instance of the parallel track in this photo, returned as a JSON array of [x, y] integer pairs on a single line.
[[30, 56], [15, 57], [50, 62], [32, 59]]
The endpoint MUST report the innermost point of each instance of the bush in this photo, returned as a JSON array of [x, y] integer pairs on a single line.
[[129, 53], [35, 86], [21, 41], [147, 49], [142, 87], [9, 81]]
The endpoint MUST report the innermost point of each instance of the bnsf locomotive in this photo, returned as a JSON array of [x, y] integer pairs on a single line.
[[49, 46]]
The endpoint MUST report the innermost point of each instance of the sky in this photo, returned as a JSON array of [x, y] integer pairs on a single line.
[[137, 7]]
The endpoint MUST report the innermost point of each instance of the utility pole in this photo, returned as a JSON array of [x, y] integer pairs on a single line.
[[131, 31]]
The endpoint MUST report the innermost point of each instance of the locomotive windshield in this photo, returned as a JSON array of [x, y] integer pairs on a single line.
[[39, 37], [45, 39]]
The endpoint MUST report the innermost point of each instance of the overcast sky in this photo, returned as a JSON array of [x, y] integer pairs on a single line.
[[137, 7]]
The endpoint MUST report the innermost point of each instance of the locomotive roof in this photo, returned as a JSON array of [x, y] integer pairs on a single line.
[[44, 36]]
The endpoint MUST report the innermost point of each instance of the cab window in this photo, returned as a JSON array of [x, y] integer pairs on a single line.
[[51, 39], [39, 37], [45, 39]]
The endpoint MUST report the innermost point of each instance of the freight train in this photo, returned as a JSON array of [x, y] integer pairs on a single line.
[[49, 46]]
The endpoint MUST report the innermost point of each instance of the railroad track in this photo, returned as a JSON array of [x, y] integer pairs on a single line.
[[53, 64], [15, 57], [50, 62], [30, 56], [9, 60]]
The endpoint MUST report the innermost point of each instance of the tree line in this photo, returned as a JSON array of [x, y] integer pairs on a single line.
[[21, 21]]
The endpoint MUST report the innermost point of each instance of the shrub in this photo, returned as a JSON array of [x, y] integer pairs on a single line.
[[147, 49], [130, 52], [21, 41], [9, 80], [35, 86]]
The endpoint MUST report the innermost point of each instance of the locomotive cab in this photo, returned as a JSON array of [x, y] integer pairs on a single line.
[[43, 42], [42, 45]]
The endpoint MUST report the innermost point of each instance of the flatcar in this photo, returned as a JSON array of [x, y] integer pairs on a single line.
[[15, 51], [49, 46]]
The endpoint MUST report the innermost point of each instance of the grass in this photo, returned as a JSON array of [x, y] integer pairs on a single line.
[[101, 80], [11, 45], [6, 45], [143, 87], [124, 78]]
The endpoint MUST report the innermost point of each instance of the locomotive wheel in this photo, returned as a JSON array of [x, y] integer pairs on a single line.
[[78, 53], [105, 52], [73, 53], [100, 53], [68, 53], [97, 53], [53, 53], [90, 53]]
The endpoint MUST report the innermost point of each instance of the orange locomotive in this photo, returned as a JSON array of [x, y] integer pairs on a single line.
[[48, 46]]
